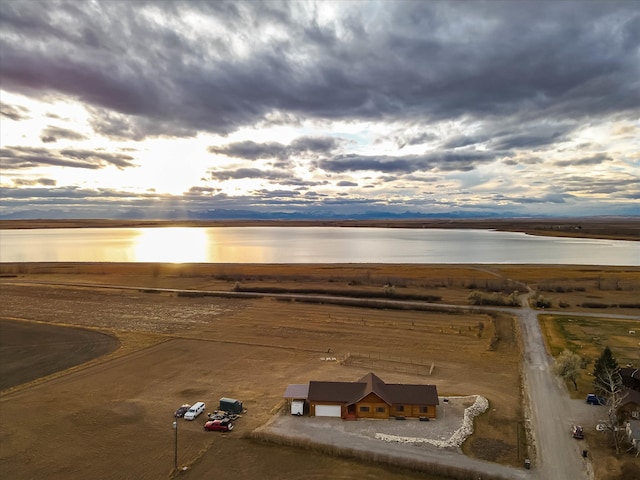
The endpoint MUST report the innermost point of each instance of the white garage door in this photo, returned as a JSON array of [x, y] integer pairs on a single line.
[[328, 410]]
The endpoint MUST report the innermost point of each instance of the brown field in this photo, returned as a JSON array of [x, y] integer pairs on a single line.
[[176, 349]]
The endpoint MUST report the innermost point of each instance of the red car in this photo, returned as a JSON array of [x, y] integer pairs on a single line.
[[223, 425]]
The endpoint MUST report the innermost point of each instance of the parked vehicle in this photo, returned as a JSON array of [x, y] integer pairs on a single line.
[[577, 432], [182, 410], [220, 415], [217, 415], [593, 399], [223, 425], [194, 411]]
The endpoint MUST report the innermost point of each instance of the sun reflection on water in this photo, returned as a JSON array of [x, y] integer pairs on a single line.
[[171, 245]]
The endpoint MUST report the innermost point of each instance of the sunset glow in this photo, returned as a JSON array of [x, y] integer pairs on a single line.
[[319, 109]]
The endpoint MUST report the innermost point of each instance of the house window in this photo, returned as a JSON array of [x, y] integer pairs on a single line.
[[381, 409], [400, 408], [424, 409], [364, 409]]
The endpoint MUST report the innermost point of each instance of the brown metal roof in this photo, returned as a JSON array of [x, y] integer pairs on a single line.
[[630, 377], [413, 394], [630, 396], [343, 392], [352, 392], [297, 390]]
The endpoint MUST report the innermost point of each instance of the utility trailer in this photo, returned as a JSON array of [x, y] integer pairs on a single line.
[[297, 407], [230, 405]]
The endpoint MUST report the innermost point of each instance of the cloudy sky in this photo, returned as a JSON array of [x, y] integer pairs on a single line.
[[127, 108]]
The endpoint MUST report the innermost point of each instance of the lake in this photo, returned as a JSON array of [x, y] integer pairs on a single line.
[[307, 245]]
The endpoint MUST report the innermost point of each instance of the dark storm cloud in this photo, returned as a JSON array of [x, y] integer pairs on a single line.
[[249, 173], [276, 177], [413, 61], [523, 161], [434, 161], [52, 134], [13, 158], [517, 134], [62, 195], [612, 187], [416, 139], [49, 182], [345, 183], [532, 139], [593, 160], [14, 112], [463, 141], [249, 150]]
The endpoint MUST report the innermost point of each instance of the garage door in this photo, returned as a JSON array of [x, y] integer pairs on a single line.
[[328, 410]]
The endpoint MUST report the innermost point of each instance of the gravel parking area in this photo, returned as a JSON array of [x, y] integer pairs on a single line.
[[366, 436], [450, 420]]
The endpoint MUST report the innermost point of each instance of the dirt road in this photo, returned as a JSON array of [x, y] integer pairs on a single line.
[[560, 457]]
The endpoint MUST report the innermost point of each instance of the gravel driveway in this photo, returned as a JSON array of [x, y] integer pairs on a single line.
[[360, 439]]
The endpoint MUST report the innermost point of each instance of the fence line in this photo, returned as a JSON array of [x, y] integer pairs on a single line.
[[379, 361]]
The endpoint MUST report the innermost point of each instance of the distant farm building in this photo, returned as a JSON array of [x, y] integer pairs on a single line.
[[369, 397]]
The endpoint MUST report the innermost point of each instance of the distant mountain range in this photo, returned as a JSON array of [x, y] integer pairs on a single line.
[[245, 215]]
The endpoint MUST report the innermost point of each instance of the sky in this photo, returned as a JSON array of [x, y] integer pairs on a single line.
[[163, 109]]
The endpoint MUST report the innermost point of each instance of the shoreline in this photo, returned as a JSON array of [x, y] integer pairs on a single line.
[[614, 228]]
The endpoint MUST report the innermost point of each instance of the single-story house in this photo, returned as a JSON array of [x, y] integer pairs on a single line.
[[369, 397], [630, 405]]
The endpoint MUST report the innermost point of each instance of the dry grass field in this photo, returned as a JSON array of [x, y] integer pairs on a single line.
[[117, 409], [588, 337]]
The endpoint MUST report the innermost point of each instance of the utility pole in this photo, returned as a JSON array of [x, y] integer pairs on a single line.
[[175, 451]]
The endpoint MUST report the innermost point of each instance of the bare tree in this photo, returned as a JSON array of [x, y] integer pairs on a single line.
[[610, 382], [567, 367]]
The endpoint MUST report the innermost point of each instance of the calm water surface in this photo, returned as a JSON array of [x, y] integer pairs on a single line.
[[307, 245]]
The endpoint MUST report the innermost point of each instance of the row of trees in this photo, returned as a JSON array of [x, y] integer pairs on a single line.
[[607, 384]]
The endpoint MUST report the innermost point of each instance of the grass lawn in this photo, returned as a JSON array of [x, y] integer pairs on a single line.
[[587, 337]]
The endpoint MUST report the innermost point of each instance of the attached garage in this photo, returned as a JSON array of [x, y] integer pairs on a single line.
[[328, 411]]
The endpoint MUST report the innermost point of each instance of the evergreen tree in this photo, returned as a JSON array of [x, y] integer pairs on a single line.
[[604, 369]]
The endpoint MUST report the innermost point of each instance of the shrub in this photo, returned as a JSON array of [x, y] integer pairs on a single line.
[[595, 305], [540, 302]]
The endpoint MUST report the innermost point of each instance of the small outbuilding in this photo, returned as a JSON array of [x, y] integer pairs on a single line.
[[296, 395]]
